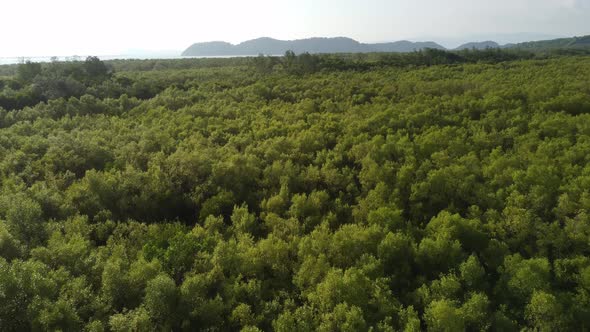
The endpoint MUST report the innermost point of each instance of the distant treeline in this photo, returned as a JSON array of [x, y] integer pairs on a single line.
[[30, 83], [309, 63]]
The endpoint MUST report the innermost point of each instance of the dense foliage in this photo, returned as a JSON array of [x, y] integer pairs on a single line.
[[391, 197]]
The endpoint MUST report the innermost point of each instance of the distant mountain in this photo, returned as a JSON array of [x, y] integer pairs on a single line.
[[272, 46], [478, 45], [561, 43], [210, 48], [500, 38]]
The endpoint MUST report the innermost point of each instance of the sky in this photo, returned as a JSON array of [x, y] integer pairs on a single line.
[[111, 27]]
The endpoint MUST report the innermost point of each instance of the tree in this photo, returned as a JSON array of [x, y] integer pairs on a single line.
[[290, 62], [263, 64], [343, 318], [26, 72], [24, 220], [161, 300], [443, 315], [134, 320], [10, 248], [95, 69], [476, 312], [544, 312]]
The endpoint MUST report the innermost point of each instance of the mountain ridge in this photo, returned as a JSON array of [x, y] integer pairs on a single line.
[[271, 46], [478, 45]]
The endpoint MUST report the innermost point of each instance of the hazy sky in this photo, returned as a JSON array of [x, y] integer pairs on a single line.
[[103, 27]]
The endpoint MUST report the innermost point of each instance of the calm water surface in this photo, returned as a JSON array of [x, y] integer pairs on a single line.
[[13, 60]]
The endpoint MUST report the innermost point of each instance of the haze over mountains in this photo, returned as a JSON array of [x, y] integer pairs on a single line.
[[270, 46]]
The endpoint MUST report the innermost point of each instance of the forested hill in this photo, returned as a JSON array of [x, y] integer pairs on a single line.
[[270, 46], [429, 191], [478, 45], [561, 43], [312, 45]]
